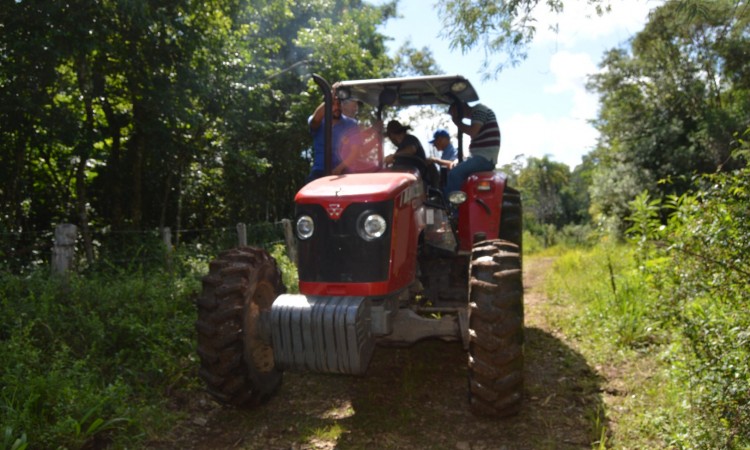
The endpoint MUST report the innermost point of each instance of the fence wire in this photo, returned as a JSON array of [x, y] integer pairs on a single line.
[[127, 249]]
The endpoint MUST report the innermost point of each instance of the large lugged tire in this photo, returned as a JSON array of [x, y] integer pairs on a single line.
[[496, 329], [511, 217], [234, 345]]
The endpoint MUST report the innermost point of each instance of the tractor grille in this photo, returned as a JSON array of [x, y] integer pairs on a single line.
[[337, 254]]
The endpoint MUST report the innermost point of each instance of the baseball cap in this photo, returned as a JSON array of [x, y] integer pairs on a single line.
[[439, 133]]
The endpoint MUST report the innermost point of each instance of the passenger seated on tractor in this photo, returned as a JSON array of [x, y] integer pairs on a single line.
[[448, 158], [485, 142], [406, 144], [410, 153]]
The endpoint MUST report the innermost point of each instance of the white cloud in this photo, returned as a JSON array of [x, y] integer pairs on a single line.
[[570, 72], [565, 139], [579, 21]]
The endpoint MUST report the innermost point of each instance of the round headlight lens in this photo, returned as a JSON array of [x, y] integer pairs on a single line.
[[457, 197], [371, 226], [305, 227]]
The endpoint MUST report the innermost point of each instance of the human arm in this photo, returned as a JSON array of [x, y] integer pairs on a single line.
[[471, 130], [448, 164], [317, 117], [404, 150], [349, 152]]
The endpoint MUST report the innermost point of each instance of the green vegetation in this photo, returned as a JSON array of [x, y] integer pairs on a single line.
[[189, 115], [98, 360], [92, 361], [670, 310], [130, 115]]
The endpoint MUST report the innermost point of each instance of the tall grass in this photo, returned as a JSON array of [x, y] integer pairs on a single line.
[[93, 360], [604, 286], [89, 361], [602, 302], [670, 310]]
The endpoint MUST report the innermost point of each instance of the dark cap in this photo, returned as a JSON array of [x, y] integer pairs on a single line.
[[439, 133], [394, 126]]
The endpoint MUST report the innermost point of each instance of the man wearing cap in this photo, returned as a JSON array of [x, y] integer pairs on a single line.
[[441, 139]]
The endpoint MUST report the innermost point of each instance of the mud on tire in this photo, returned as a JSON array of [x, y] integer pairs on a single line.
[[236, 356], [496, 329]]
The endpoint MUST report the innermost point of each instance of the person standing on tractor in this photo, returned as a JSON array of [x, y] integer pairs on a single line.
[[406, 144], [485, 142], [341, 125], [359, 146]]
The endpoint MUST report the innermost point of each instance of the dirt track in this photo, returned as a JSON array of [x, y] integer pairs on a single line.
[[413, 398]]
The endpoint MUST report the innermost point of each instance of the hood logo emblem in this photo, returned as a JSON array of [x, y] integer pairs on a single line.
[[334, 210]]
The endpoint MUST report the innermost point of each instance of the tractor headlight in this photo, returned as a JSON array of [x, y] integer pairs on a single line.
[[305, 227], [457, 197], [371, 226]]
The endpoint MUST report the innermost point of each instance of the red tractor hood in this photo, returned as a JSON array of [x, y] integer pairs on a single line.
[[347, 189]]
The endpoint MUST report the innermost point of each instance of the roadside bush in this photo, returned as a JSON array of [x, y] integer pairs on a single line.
[[547, 236], [531, 243], [88, 362], [91, 360], [706, 242]]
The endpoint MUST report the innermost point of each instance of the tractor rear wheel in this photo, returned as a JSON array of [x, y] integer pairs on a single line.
[[511, 218], [496, 329], [237, 362]]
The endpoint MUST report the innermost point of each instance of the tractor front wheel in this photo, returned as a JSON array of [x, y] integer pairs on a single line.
[[237, 362], [496, 329]]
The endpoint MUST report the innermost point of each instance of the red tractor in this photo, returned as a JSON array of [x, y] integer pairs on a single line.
[[380, 261]]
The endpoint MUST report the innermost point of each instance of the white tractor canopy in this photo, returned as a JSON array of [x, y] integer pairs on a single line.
[[408, 91]]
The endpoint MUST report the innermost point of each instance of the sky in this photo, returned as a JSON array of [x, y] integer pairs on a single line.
[[542, 105]]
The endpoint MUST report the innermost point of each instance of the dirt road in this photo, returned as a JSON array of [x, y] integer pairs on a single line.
[[413, 398]]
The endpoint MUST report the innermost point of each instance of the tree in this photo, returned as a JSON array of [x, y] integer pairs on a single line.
[[132, 114], [410, 61], [671, 106], [541, 183], [504, 27]]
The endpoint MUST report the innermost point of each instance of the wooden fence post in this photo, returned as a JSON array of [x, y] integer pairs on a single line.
[[64, 250], [242, 234], [166, 237], [291, 242]]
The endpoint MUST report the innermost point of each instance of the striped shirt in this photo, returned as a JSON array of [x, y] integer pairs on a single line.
[[487, 142]]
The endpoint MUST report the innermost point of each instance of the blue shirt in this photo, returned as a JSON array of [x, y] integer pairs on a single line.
[[337, 132], [449, 153]]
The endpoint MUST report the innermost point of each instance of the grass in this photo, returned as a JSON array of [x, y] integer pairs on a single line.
[[600, 301], [90, 361], [93, 362]]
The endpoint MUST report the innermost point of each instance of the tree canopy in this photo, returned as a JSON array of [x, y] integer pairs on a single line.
[[141, 114], [503, 30], [671, 106], [192, 114]]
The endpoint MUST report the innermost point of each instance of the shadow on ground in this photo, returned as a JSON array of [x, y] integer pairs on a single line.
[[410, 398]]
